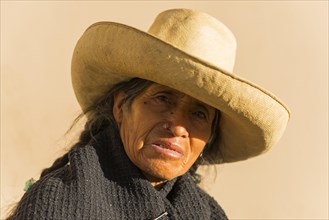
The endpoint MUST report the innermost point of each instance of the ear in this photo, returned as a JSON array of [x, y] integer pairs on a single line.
[[119, 99]]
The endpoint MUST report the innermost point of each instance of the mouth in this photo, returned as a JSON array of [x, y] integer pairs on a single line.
[[168, 149]]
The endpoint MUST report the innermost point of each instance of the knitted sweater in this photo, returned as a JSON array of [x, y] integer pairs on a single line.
[[100, 182]]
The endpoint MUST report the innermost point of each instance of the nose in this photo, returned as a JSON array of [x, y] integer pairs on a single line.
[[177, 124]]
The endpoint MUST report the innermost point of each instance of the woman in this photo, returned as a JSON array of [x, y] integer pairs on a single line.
[[158, 104]]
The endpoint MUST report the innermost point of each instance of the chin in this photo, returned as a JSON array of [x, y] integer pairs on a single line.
[[163, 174]]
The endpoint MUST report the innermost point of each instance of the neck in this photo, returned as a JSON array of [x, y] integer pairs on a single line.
[[157, 183]]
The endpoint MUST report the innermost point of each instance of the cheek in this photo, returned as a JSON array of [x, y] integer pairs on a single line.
[[198, 140], [133, 132], [130, 136], [200, 136], [197, 146]]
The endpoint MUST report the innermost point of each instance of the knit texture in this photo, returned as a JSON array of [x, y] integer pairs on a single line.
[[100, 182]]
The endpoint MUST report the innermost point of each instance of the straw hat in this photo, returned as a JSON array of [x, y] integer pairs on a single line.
[[191, 52]]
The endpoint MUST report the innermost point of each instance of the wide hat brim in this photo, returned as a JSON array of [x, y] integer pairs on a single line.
[[252, 119]]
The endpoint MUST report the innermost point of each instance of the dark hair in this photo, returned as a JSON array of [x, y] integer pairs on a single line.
[[100, 116]]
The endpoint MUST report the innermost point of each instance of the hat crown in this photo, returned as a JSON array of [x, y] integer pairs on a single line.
[[198, 34]]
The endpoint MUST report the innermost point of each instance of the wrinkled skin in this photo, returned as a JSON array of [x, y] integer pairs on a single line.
[[163, 131]]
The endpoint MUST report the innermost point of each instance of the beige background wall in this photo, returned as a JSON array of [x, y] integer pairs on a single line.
[[282, 46]]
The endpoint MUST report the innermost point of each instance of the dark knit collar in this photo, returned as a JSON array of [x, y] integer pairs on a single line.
[[100, 182], [179, 197]]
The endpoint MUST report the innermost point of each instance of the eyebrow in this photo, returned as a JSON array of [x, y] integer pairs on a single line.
[[166, 90]]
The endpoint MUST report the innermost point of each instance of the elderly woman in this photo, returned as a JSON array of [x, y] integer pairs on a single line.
[[158, 104]]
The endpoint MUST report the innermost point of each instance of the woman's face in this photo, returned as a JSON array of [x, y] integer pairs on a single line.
[[163, 131]]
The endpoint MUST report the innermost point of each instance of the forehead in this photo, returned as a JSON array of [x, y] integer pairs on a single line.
[[155, 88]]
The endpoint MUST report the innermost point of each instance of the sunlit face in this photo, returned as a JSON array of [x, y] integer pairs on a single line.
[[164, 131]]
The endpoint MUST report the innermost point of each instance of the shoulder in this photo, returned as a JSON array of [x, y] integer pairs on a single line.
[[217, 211], [41, 200], [57, 194], [211, 206]]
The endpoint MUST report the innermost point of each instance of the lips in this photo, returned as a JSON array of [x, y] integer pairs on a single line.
[[168, 148]]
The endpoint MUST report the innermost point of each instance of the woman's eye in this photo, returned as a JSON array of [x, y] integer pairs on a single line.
[[163, 98], [200, 115]]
